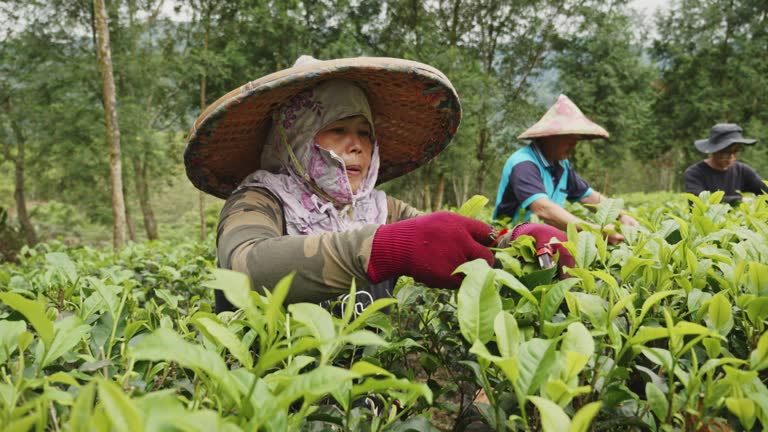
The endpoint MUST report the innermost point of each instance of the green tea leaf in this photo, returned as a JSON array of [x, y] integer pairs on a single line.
[[720, 312], [634, 264], [109, 295], [166, 345], [553, 418], [62, 263], [552, 298], [607, 278], [758, 278], [169, 299], [583, 418], [515, 285], [364, 368], [7, 394], [586, 276], [586, 251], [758, 359], [237, 289], [757, 310], [713, 347], [368, 312], [69, 332], [314, 384], [389, 384], [535, 358], [82, 410], [211, 326], [507, 334], [508, 365], [364, 338], [621, 304], [315, 318], [275, 354], [9, 336], [34, 312], [275, 307], [123, 414], [62, 377], [478, 301], [473, 206], [656, 298], [23, 424], [657, 400], [164, 412], [608, 211], [683, 328], [578, 339], [742, 408]]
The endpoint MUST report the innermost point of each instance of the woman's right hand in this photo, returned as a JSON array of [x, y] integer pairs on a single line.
[[613, 236], [429, 248]]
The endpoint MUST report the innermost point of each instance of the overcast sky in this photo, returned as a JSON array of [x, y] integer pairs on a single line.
[[648, 7]]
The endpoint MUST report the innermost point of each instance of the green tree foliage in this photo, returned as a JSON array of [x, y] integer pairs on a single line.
[[507, 60], [712, 57], [602, 69]]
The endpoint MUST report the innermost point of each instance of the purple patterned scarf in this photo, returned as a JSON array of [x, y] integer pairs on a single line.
[[310, 181]]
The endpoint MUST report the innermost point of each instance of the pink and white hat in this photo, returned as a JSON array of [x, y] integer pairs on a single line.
[[564, 118]]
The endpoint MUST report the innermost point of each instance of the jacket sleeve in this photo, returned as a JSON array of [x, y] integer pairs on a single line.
[[250, 240], [752, 182], [693, 181], [398, 210]]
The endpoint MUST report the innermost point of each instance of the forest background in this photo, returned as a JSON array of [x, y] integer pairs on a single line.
[[656, 82]]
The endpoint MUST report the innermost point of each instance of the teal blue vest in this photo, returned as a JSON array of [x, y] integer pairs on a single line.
[[557, 194]]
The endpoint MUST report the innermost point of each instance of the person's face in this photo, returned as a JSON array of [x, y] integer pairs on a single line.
[[559, 147], [723, 159], [351, 140]]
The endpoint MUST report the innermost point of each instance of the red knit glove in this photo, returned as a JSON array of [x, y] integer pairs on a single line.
[[429, 248], [543, 235]]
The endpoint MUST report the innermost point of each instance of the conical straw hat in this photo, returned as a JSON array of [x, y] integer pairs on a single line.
[[415, 108], [564, 118]]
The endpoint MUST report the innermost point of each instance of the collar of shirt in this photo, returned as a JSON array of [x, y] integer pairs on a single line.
[[554, 170]]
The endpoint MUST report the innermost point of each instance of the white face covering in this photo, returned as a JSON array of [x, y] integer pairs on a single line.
[[312, 182]]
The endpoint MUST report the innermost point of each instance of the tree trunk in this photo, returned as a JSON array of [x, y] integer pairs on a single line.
[[28, 230], [142, 191], [18, 193], [113, 129], [427, 194], [131, 227], [438, 202], [482, 142], [460, 188]]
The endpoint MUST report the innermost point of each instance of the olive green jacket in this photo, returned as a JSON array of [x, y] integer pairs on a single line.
[[251, 239]]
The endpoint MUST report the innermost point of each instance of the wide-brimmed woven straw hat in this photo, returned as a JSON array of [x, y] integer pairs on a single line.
[[564, 118], [721, 136], [415, 108]]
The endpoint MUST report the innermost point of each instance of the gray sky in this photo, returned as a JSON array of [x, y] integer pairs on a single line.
[[648, 7]]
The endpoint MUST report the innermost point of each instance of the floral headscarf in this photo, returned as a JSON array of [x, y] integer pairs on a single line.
[[310, 181]]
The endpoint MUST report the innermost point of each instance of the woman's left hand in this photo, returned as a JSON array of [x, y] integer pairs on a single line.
[[626, 219]]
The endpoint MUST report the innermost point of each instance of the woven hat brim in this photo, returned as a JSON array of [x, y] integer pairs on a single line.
[[415, 107], [705, 146]]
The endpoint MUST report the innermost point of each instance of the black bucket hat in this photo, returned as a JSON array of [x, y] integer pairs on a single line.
[[721, 136]]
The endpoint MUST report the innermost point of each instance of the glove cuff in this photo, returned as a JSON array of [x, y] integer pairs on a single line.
[[391, 251]]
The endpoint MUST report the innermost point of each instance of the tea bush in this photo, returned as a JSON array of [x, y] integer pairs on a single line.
[[663, 332]]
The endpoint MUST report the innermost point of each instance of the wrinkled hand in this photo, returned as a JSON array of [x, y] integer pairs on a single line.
[[626, 219], [613, 237], [429, 248]]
